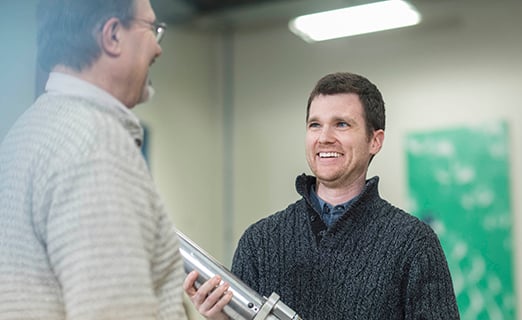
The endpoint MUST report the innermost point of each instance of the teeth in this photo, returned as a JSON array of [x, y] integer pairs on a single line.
[[329, 154]]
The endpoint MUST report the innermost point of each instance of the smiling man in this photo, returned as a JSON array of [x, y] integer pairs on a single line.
[[341, 251], [83, 231]]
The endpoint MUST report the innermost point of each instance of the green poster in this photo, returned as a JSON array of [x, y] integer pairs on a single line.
[[458, 182]]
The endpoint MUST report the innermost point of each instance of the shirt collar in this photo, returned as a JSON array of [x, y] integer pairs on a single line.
[[319, 203], [328, 212], [64, 84]]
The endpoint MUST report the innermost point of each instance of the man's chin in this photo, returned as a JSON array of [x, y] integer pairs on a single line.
[[146, 94], [331, 179]]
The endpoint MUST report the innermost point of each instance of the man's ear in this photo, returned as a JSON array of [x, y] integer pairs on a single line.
[[377, 141], [110, 37]]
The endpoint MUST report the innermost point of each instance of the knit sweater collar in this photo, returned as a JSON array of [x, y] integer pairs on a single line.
[[369, 193], [363, 207], [303, 183]]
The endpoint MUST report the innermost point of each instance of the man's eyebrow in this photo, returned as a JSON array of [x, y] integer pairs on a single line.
[[345, 118]]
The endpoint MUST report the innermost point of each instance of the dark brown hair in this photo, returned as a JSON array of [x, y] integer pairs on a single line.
[[369, 94]]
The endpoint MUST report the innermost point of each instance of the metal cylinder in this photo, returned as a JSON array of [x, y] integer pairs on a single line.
[[246, 304]]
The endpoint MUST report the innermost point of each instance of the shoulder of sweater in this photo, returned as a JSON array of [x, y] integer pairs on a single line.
[[411, 226], [58, 131], [380, 211], [71, 126], [276, 220], [402, 215], [72, 114]]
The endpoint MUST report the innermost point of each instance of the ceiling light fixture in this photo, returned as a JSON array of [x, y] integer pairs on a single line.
[[351, 21]]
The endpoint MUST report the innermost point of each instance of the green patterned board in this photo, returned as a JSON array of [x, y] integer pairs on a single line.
[[458, 182]]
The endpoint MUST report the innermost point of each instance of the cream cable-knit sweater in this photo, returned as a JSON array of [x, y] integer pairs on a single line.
[[83, 232]]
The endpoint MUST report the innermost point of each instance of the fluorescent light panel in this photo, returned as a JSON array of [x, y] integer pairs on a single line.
[[351, 21]]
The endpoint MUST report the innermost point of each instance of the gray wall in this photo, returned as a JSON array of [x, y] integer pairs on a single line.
[[17, 59], [461, 66]]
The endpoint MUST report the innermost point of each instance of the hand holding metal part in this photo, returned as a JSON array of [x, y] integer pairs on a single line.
[[246, 304]]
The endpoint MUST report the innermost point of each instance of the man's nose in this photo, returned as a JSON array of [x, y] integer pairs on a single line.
[[326, 135]]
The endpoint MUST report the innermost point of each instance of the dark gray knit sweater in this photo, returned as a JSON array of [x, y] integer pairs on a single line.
[[376, 262]]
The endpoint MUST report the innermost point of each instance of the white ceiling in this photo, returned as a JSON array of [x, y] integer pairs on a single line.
[[262, 13]]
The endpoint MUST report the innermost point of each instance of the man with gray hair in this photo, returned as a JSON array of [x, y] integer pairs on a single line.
[[83, 231]]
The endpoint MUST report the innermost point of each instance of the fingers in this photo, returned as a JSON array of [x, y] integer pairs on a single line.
[[211, 297], [189, 283], [208, 292], [218, 295]]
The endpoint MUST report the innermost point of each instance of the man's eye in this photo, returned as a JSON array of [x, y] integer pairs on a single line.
[[313, 125], [343, 124]]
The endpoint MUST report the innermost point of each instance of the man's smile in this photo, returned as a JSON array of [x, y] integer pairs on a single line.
[[329, 154]]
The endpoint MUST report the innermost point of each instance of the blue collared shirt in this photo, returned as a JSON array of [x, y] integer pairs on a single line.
[[328, 212]]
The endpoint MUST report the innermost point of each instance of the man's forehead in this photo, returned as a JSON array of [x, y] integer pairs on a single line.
[[340, 104], [143, 9]]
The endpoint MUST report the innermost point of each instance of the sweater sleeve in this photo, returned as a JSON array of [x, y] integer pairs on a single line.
[[429, 290], [101, 236], [244, 264]]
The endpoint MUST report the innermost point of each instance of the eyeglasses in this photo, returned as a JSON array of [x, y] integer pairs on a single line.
[[158, 28]]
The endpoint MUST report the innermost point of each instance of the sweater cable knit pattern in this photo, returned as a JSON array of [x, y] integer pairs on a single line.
[[375, 262]]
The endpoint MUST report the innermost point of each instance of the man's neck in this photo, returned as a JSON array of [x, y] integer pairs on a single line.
[[339, 194], [100, 79], [86, 75]]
